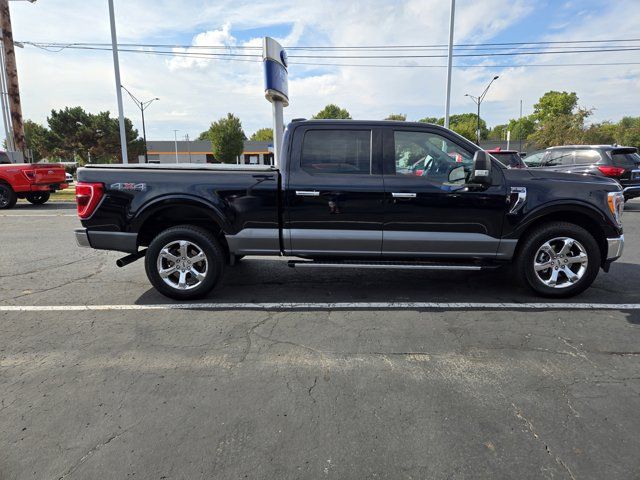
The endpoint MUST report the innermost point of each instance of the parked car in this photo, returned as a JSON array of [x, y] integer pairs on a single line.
[[33, 181], [347, 194], [69, 177], [619, 163], [508, 158]]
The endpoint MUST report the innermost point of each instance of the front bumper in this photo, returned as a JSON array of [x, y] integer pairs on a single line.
[[615, 246], [119, 241]]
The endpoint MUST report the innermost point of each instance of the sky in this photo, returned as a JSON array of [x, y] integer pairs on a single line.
[[194, 92]]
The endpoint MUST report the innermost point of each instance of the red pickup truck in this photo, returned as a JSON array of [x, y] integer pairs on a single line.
[[33, 181]]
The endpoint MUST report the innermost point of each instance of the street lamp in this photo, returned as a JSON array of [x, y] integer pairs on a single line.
[[142, 106], [478, 101]]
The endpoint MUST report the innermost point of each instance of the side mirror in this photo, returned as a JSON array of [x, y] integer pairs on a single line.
[[481, 174]]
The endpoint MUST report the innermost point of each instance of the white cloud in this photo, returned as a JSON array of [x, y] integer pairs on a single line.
[[195, 91]]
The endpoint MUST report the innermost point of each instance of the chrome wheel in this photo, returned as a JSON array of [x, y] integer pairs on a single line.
[[182, 265], [560, 262]]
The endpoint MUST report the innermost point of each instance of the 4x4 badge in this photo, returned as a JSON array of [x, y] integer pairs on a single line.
[[129, 187]]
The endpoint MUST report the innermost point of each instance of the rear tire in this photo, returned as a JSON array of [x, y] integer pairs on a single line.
[[184, 262], [558, 260], [8, 197], [38, 198]]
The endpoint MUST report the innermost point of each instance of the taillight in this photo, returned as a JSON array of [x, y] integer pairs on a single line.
[[88, 196], [30, 174], [614, 172]]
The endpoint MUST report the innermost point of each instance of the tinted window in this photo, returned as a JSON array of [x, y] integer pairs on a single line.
[[4, 158], [587, 156], [535, 159], [431, 156], [337, 151], [559, 157], [508, 159], [626, 160]]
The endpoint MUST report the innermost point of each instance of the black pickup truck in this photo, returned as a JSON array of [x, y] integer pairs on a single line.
[[359, 194]]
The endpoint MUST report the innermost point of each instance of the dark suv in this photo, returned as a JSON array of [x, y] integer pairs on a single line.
[[620, 163]]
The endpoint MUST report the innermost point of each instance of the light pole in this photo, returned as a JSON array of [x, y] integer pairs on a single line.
[[175, 139], [116, 69], [478, 101], [449, 64], [142, 106]]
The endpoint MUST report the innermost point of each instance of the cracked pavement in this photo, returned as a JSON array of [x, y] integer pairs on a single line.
[[308, 394]]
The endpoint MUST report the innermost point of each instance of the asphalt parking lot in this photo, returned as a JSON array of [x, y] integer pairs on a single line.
[[100, 377]]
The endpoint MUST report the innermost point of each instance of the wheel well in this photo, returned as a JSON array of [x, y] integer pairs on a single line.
[[179, 215], [577, 218]]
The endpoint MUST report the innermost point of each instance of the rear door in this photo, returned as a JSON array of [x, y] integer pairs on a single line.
[[429, 212], [334, 192]]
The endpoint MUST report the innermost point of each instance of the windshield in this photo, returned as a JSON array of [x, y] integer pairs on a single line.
[[534, 160]]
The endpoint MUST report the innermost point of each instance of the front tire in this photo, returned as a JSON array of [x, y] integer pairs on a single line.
[[8, 197], [559, 260], [184, 262], [38, 198]]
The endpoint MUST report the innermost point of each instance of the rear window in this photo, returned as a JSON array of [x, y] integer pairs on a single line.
[[4, 158], [625, 159], [337, 152], [508, 159]]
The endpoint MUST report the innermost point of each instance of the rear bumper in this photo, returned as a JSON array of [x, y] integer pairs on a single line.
[[119, 241], [49, 187], [631, 191]]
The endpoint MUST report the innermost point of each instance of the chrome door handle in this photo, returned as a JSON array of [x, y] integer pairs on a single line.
[[403, 195], [307, 193]]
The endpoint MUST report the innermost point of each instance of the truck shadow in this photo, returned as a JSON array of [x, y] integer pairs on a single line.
[[271, 281]]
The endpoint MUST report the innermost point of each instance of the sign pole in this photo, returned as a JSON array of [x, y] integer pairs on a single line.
[[276, 89]]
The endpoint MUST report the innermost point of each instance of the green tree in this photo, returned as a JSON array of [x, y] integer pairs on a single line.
[[628, 132], [521, 128], [466, 124], [37, 138], [562, 129], [553, 104], [333, 111], [263, 135], [499, 132], [77, 135], [227, 138], [435, 120], [401, 117], [600, 133]]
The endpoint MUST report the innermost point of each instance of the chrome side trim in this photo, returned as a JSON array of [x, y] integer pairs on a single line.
[[307, 193], [615, 247], [519, 202], [403, 195], [255, 241], [383, 267], [81, 238]]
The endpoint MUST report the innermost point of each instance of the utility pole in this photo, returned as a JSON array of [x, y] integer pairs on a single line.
[[11, 69], [175, 139], [116, 68], [449, 64], [520, 122], [188, 146]]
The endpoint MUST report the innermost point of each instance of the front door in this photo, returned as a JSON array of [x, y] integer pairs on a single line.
[[429, 212], [334, 193]]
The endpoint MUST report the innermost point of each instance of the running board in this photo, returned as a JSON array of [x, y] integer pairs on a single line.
[[384, 265]]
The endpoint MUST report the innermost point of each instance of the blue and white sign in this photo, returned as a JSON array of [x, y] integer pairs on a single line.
[[276, 83]]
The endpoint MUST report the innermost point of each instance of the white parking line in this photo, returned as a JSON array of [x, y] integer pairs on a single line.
[[326, 306], [38, 215]]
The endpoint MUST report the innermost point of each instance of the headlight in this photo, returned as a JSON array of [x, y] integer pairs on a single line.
[[616, 205]]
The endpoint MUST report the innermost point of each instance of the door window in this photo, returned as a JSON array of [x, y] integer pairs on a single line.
[[431, 156], [558, 158], [336, 152]]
